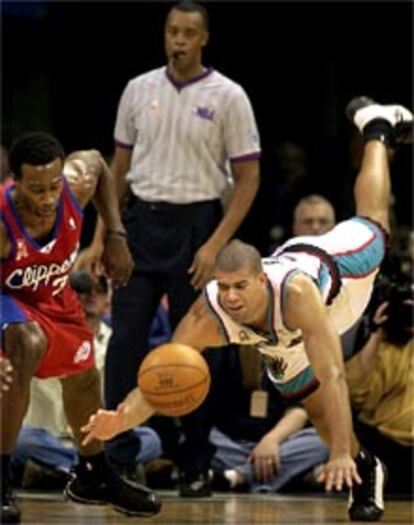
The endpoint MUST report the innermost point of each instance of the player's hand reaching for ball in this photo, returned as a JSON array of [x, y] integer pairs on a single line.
[[339, 471], [105, 424]]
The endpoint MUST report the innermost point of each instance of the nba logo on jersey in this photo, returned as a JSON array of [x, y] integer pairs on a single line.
[[72, 223], [82, 353], [21, 249]]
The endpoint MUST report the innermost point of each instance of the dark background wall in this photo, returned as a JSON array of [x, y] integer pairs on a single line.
[[66, 63]]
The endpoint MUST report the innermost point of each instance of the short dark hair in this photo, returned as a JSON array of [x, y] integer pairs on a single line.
[[193, 7], [36, 148], [236, 255]]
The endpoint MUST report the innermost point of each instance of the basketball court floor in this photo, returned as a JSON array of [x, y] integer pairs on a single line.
[[47, 509]]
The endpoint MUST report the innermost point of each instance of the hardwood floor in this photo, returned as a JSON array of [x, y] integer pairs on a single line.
[[48, 509]]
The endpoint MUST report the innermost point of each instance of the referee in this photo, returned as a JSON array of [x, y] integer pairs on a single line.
[[182, 132]]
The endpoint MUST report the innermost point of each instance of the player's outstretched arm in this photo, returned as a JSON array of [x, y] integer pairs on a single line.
[[328, 407], [198, 328], [105, 424]]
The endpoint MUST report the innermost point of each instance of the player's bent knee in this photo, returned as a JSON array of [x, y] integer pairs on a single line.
[[25, 345]]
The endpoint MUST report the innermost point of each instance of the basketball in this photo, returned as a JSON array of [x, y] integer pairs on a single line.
[[174, 379]]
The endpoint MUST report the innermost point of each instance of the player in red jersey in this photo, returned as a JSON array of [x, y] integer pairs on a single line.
[[44, 333]]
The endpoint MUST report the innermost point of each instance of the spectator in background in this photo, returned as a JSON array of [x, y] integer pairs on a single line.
[[262, 442], [179, 130], [313, 215], [381, 383]]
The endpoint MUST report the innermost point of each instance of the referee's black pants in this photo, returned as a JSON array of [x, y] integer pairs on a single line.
[[163, 239]]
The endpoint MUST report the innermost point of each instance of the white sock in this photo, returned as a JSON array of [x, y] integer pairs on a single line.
[[232, 476]]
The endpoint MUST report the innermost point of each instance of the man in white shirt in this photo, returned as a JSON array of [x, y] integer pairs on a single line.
[[181, 131]]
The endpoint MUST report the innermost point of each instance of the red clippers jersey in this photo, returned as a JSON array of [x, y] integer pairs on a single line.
[[38, 275]]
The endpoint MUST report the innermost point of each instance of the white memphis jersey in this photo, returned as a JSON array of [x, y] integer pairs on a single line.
[[183, 136], [342, 263], [279, 346]]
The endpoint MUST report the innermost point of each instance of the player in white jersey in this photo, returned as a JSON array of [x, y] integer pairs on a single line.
[[181, 131], [293, 306]]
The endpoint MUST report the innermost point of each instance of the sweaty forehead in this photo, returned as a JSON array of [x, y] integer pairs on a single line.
[[243, 274]]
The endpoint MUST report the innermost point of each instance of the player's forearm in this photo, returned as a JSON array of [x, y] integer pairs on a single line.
[[240, 202], [338, 413], [119, 170], [137, 409], [333, 391], [106, 203]]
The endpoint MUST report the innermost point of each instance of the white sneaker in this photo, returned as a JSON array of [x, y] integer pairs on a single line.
[[363, 110]]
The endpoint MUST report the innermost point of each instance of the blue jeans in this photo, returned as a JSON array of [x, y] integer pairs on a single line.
[[299, 453], [42, 447], [45, 448]]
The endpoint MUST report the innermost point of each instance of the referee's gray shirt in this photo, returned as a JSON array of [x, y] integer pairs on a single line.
[[184, 135]]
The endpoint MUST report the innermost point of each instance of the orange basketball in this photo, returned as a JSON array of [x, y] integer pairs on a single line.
[[174, 379]]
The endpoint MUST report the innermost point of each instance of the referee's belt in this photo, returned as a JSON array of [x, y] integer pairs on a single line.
[[171, 206]]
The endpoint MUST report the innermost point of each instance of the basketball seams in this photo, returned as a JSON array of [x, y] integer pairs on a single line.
[[153, 369], [171, 392]]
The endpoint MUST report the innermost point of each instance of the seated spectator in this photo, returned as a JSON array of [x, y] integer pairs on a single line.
[[381, 382], [44, 452], [261, 442]]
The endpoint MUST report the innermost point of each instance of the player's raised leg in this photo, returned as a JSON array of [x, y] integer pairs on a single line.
[[382, 126]]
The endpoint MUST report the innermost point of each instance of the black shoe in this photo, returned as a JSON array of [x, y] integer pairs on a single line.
[[195, 484], [9, 511], [134, 472], [363, 110], [123, 495], [366, 501], [38, 477]]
